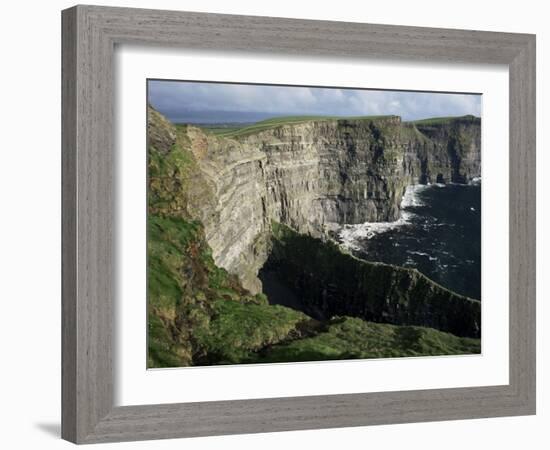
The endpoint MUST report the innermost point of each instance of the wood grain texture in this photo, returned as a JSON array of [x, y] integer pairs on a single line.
[[68, 225], [89, 36], [88, 209], [523, 224]]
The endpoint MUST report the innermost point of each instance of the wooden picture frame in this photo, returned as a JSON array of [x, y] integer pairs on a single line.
[[90, 34]]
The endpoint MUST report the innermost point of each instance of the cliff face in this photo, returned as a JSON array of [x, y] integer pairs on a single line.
[[315, 175], [454, 150], [332, 283]]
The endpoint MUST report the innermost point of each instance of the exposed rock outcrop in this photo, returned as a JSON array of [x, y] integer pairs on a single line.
[[454, 150], [315, 175]]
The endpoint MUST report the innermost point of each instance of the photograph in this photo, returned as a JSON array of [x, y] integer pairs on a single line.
[[301, 223], [265, 225]]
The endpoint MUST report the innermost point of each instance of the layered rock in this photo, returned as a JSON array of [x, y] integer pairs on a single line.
[[453, 153], [315, 175]]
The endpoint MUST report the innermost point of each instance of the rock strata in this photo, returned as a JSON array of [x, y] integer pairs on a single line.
[[315, 175]]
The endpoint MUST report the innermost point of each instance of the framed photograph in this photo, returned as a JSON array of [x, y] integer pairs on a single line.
[[278, 224]]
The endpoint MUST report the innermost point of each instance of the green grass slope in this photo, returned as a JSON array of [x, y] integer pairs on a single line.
[[353, 338]]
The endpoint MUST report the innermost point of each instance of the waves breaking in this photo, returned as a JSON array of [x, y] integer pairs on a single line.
[[349, 235]]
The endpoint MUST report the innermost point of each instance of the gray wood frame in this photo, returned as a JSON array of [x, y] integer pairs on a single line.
[[89, 36]]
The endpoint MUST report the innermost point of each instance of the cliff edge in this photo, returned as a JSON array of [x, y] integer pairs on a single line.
[[314, 176]]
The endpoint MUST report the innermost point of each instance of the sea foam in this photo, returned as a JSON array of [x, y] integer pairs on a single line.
[[350, 234]]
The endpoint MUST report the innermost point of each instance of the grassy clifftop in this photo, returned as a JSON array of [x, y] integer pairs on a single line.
[[236, 132], [446, 120]]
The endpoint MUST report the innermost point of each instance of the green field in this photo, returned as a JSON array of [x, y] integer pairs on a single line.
[[352, 338]]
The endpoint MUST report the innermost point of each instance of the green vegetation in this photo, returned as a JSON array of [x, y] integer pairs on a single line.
[[238, 329], [280, 121], [220, 131], [200, 315], [443, 120], [353, 338], [197, 312]]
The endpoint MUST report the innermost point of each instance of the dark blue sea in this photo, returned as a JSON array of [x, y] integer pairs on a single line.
[[439, 233]]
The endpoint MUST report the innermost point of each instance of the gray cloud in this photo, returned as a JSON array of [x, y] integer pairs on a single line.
[[216, 102]]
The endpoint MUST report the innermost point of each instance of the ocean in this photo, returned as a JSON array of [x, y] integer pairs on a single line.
[[438, 233]]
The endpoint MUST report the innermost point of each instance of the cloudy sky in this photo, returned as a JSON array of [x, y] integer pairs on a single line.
[[194, 102]]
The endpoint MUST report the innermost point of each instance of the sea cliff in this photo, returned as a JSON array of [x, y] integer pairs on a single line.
[[317, 175], [213, 202]]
